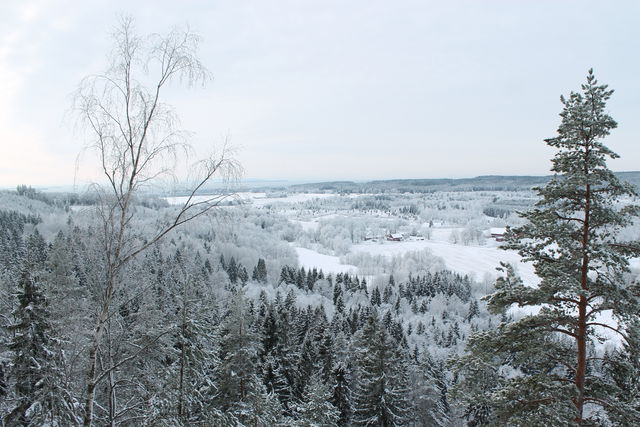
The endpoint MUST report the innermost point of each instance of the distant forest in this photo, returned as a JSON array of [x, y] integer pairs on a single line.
[[479, 183]]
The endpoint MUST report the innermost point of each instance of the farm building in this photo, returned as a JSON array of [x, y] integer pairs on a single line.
[[497, 233], [395, 237]]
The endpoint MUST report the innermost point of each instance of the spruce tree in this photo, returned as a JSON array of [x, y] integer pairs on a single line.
[[237, 374], [40, 393], [232, 270], [260, 272], [285, 357], [35, 250], [243, 276], [316, 409], [341, 394], [425, 395], [3, 383], [538, 368], [623, 370], [380, 389], [188, 382], [375, 297], [63, 287]]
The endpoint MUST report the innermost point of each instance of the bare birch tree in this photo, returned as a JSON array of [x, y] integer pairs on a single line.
[[136, 138]]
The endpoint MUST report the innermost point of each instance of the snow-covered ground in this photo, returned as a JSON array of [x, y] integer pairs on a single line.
[[475, 261], [308, 258], [479, 261]]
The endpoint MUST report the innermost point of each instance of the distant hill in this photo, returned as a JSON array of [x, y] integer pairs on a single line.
[[479, 183]]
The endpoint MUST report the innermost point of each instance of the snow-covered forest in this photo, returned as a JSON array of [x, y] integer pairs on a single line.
[[169, 292], [223, 320], [279, 308]]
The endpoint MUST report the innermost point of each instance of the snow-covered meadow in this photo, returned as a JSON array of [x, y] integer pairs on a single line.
[[477, 262], [451, 229]]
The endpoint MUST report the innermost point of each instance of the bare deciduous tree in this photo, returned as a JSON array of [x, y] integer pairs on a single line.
[[136, 138]]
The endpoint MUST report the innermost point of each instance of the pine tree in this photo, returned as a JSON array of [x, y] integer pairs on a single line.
[[572, 238], [340, 304], [326, 355], [308, 361], [263, 410], [301, 277], [3, 383]]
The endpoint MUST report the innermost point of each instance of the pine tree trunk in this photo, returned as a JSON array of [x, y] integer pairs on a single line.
[[581, 367], [582, 358]]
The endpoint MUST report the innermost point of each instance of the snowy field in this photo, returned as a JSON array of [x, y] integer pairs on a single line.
[[309, 259], [478, 262], [474, 261]]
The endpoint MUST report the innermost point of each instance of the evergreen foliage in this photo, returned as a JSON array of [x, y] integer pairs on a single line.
[[541, 368], [428, 399], [40, 394], [172, 359], [317, 409], [260, 272], [238, 384], [341, 394], [380, 390]]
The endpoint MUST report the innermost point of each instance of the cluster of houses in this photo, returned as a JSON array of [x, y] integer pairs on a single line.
[[393, 237], [496, 233]]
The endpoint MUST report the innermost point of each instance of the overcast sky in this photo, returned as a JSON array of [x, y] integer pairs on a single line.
[[327, 90]]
